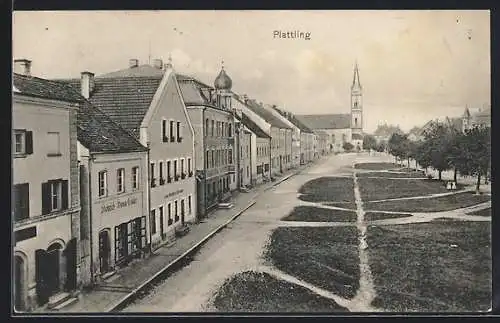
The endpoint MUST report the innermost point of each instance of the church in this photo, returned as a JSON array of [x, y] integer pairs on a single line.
[[341, 128]]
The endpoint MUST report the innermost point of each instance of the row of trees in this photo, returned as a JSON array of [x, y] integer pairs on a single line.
[[445, 148]]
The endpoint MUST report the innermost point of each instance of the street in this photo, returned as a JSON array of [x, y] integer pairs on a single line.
[[239, 247]]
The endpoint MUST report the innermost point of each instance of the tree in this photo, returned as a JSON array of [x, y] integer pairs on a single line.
[[347, 146], [475, 158], [437, 137], [398, 145], [369, 142]]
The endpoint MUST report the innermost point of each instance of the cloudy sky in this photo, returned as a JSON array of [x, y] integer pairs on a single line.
[[414, 65]]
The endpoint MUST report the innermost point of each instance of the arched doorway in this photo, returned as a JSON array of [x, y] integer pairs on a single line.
[[104, 251], [48, 272], [19, 284]]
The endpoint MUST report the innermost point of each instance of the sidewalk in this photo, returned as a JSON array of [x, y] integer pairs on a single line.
[[126, 280]]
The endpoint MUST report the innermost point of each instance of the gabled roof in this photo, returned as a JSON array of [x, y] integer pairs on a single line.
[[98, 133], [296, 122], [266, 115], [194, 92], [326, 121], [124, 99], [42, 88], [258, 131], [95, 130]]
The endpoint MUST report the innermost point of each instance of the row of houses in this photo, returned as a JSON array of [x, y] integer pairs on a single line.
[[106, 169]]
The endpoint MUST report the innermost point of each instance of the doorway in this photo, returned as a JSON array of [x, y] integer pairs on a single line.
[[182, 212], [19, 284], [104, 251], [47, 272]]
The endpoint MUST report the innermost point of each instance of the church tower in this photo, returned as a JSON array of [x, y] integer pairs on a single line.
[[356, 105], [222, 85]]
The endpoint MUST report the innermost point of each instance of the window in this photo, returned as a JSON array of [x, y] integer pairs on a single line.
[[53, 144], [135, 178], [160, 215], [259, 169], [230, 159], [223, 134], [160, 172], [23, 142], [190, 170], [248, 171], [241, 151], [179, 134], [207, 125], [169, 175], [207, 157], [153, 179], [164, 130], [172, 138], [152, 220], [176, 214], [218, 128], [189, 204], [182, 166], [120, 180], [213, 157], [213, 126], [103, 183], [54, 196], [21, 195], [169, 213], [356, 121], [230, 130]]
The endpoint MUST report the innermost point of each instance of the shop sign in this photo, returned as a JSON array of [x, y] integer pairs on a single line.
[[118, 204]]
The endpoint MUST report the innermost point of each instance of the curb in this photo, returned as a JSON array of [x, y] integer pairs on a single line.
[[129, 297]]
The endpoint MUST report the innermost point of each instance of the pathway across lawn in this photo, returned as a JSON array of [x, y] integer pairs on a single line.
[[374, 244]]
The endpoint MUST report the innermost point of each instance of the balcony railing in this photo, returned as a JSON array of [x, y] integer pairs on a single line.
[[190, 173], [231, 168], [153, 182], [183, 175], [162, 181]]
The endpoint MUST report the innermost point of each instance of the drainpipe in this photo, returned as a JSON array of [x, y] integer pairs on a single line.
[[148, 166], [91, 233], [270, 157], [238, 180], [204, 179], [251, 169]]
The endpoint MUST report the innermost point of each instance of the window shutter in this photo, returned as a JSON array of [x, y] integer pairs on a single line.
[[64, 194], [45, 198], [29, 142]]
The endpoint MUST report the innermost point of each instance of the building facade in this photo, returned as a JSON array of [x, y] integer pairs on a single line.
[[114, 193], [145, 100], [209, 109], [46, 204]]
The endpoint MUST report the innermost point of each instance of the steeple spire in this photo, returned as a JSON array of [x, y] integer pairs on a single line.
[[222, 64], [355, 79]]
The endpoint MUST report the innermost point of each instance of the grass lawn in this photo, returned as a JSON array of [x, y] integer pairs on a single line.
[[326, 257], [383, 188], [430, 267], [376, 166], [317, 214], [436, 204], [483, 212], [328, 189], [373, 216], [394, 175], [260, 292]]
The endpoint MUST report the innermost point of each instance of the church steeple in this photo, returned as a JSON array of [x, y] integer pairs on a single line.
[[356, 104], [355, 79]]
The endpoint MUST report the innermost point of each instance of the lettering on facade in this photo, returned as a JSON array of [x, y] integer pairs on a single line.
[[174, 193], [118, 204]]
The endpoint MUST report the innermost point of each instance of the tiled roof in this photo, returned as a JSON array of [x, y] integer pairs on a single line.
[[266, 115], [254, 127], [95, 130], [296, 122], [326, 121], [139, 71], [125, 99], [37, 87], [98, 133]]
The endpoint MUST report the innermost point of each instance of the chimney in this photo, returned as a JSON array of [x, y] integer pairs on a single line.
[[22, 66], [158, 63], [245, 98], [87, 84], [133, 62]]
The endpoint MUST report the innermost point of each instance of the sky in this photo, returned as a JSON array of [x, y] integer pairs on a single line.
[[414, 65]]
